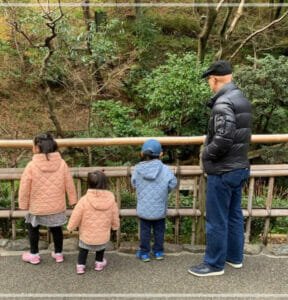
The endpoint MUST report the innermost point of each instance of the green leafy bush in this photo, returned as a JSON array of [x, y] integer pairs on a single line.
[[175, 96], [265, 85]]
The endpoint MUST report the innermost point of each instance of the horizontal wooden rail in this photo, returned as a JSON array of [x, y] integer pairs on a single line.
[[82, 172], [172, 212], [134, 141]]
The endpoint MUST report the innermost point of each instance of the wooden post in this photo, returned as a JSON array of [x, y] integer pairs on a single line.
[[79, 188], [118, 200], [268, 208], [193, 235], [12, 209], [177, 204], [249, 209], [201, 237]]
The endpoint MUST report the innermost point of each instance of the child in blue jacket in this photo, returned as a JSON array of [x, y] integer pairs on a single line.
[[153, 181]]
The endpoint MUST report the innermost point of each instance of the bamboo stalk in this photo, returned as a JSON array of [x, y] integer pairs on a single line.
[[135, 141], [172, 212]]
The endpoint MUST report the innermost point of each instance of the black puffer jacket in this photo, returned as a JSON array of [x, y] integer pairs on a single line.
[[229, 131]]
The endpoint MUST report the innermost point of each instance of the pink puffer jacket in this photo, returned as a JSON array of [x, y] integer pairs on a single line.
[[44, 183], [95, 214]]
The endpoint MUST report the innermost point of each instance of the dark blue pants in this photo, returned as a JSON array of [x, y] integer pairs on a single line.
[[224, 218], [145, 235]]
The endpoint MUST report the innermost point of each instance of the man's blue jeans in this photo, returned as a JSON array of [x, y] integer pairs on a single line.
[[145, 235], [224, 218]]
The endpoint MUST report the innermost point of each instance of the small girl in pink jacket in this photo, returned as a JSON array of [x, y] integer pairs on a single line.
[[42, 192], [95, 214]]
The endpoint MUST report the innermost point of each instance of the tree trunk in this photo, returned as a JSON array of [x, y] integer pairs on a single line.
[[52, 115], [278, 10], [223, 42], [87, 17], [204, 35]]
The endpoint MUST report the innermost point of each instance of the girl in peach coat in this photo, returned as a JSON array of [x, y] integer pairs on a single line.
[[95, 214], [43, 185]]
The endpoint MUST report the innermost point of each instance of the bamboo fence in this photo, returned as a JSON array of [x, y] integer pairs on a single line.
[[194, 173]]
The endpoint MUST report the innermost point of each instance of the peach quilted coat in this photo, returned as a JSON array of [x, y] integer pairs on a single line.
[[95, 214], [44, 183]]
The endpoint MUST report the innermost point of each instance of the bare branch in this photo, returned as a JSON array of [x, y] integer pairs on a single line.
[[218, 55], [42, 8], [17, 27], [237, 17], [252, 35], [219, 5]]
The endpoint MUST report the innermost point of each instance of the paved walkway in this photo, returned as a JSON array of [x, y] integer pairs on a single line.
[[261, 277]]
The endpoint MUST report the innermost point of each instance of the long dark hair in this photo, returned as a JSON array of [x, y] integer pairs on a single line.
[[46, 143], [97, 181]]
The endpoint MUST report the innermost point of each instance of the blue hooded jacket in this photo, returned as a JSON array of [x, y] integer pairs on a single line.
[[153, 181]]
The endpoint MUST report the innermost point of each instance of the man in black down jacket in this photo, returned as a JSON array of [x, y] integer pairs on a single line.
[[226, 163]]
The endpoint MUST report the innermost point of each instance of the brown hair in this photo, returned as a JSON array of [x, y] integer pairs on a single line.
[[97, 180]]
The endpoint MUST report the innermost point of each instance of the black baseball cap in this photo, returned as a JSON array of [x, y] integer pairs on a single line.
[[220, 68]]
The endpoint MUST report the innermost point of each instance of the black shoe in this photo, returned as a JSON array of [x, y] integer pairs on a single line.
[[205, 270]]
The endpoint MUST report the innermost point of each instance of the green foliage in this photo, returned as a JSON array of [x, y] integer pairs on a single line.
[[265, 85], [129, 225], [5, 198], [128, 199], [177, 25], [113, 119], [144, 32], [174, 96], [275, 156], [103, 44]]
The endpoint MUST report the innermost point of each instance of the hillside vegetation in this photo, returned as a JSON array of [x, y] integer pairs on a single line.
[[82, 72]]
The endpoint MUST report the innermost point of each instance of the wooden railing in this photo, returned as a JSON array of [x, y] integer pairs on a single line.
[[194, 173]]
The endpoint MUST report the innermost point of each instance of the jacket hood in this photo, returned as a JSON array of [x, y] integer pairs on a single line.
[[149, 170], [51, 165], [100, 199]]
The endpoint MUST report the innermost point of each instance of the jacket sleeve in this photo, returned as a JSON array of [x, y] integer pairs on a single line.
[[69, 186], [133, 179], [76, 216], [115, 218], [224, 131], [172, 182], [25, 188]]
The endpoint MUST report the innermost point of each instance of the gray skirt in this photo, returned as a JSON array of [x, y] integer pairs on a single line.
[[46, 220], [91, 247]]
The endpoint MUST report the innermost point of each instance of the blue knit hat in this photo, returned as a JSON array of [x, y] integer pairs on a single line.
[[152, 145]]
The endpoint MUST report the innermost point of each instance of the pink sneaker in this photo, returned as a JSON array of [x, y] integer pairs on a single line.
[[32, 259], [100, 265], [58, 257], [80, 269]]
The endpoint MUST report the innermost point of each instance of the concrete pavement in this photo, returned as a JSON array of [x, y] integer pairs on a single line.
[[262, 277]]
